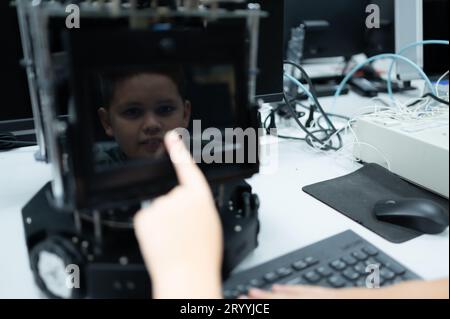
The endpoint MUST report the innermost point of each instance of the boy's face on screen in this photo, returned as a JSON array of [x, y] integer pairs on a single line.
[[143, 109]]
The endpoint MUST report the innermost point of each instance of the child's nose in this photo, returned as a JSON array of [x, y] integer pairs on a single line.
[[151, 124]]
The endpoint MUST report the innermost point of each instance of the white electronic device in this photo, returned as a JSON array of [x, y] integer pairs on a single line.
[[415, 149]]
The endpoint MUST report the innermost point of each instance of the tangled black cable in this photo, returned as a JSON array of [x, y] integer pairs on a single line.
[[312, 91], [434, 97], [270, 132], [325, 143], [9, 141]]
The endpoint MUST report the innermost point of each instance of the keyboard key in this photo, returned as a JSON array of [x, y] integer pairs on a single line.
[[385, 261], [312, 277], [387, 274], [242, 289], [284, 272], [408, 277], [300, 265], [256, 283], [270, 277], [350, 274], [371, 251], [396, 268], [361, 282], [382, 259], [338, 265], [373, 262], [324, 271], [336, 281], [360, 255], [311, 261], [349, 260], [360, 268], [295, 282]]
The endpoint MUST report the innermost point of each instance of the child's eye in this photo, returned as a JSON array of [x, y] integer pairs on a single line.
[[132, 112], [165, 110]]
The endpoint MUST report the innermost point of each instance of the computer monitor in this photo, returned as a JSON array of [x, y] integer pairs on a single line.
[[333, 28], [408, 29], [382, 40], [271, 54], [15, 106], [419, 20], [435, 26]]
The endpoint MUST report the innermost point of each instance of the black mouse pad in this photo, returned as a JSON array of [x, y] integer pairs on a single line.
[[356, 194]]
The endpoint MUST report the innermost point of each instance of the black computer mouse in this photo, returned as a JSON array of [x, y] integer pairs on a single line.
[[422, 215]]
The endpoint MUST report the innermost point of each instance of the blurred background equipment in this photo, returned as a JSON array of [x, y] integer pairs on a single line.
[[16, 117]]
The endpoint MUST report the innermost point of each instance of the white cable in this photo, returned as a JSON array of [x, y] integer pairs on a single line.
[[388, 163], [395, 110], [438, 83]]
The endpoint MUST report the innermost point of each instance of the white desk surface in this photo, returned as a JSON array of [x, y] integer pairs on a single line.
[[290, 218]]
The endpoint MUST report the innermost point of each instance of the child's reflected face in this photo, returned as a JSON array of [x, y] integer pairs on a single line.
[[144, 108]]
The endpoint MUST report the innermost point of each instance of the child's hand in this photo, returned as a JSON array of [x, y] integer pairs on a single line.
[[408, 290], [293, 292], [180, 234]]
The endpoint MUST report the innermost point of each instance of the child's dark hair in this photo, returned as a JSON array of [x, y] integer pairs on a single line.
[[110, 79]]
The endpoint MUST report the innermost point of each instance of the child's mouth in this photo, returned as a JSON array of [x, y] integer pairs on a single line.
[[152, 145]]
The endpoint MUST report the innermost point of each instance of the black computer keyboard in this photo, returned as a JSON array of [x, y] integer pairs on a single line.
[[338, 262]]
